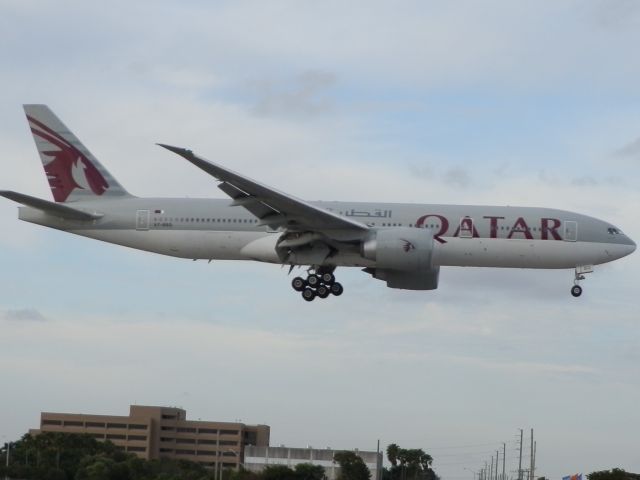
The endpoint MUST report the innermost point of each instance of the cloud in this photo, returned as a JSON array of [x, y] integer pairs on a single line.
[[631, 150], [421, 171], [617, 14], [306, 95], [22, 315], [457, 177]]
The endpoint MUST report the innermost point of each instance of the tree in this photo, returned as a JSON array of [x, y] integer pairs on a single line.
[[308, 471], [97, 468], [392, 454], [244, 474], [411, 464], [613, 474], [278, 472], [352, 467]]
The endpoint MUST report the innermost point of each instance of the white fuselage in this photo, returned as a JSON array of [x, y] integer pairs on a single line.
[[479, 236]]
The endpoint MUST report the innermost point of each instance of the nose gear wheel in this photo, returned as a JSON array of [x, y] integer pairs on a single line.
[[579, 275]]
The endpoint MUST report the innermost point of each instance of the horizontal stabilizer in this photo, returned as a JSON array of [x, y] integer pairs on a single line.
[[57, 209]]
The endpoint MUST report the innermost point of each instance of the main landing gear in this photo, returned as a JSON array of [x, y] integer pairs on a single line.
[[319, 283], [576, 290]]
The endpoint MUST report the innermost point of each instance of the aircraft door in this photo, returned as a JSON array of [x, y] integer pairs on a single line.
[[466, 227], [142, 220], [570, 231]]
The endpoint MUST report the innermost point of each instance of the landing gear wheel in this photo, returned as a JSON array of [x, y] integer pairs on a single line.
[[576, 290], [298, 284], [313, 281], [308, 294], [323, 291], [337, 289], [327, 278]]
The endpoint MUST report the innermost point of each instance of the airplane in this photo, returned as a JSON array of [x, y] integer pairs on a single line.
[[401, 244]]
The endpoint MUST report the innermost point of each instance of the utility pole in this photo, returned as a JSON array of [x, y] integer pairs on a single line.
[[520, 461], [379, 462], [504, 456], [533, 466], [491, 469], [497, 462], [531, 458]]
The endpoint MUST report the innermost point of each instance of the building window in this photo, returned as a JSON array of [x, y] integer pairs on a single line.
[[94, 425], [208, 430], [228, 442], [185, 452], [207, 442], [229, 432], [171, 429], [70, 423], [186, 429], [136, 449], [51, 422], [185, 440], [134, 426], [166, 450], [167, 439], [116, 425], [139, 438], [114, 436], [206, 452]]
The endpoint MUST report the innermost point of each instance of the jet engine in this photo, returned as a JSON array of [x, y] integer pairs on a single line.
[[403, 258]]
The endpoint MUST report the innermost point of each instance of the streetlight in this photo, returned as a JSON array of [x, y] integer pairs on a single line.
[[220, 462], [7, 458], [240, 464]]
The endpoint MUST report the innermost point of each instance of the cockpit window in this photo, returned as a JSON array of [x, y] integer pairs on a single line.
[[614, 231]]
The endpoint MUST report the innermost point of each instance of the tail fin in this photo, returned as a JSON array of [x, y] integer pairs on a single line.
[[73, 172]]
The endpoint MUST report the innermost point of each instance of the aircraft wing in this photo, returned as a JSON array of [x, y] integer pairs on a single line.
[[272, 207]]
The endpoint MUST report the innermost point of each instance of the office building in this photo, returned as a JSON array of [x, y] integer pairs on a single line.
[[164, 432]]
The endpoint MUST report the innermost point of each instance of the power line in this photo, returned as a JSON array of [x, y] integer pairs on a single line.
[[492, 444]]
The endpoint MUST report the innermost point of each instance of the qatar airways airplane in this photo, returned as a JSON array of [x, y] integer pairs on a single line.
[[402, 244]]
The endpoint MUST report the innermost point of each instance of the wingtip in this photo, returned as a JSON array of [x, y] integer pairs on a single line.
[[180, 151]]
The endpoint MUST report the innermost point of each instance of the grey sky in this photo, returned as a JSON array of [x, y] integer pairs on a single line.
[[491, 102]]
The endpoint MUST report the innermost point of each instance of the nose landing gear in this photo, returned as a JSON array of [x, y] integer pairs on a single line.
[[319, 283], [580, 272]]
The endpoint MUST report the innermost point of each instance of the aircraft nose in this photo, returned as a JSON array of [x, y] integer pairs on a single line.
[[630, 246]]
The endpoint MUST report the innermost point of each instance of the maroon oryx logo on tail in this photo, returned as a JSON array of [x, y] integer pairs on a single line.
[[69, 168]]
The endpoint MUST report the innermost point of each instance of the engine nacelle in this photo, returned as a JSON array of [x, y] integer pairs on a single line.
[[405, 249], [421, 280], [403, 258]]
